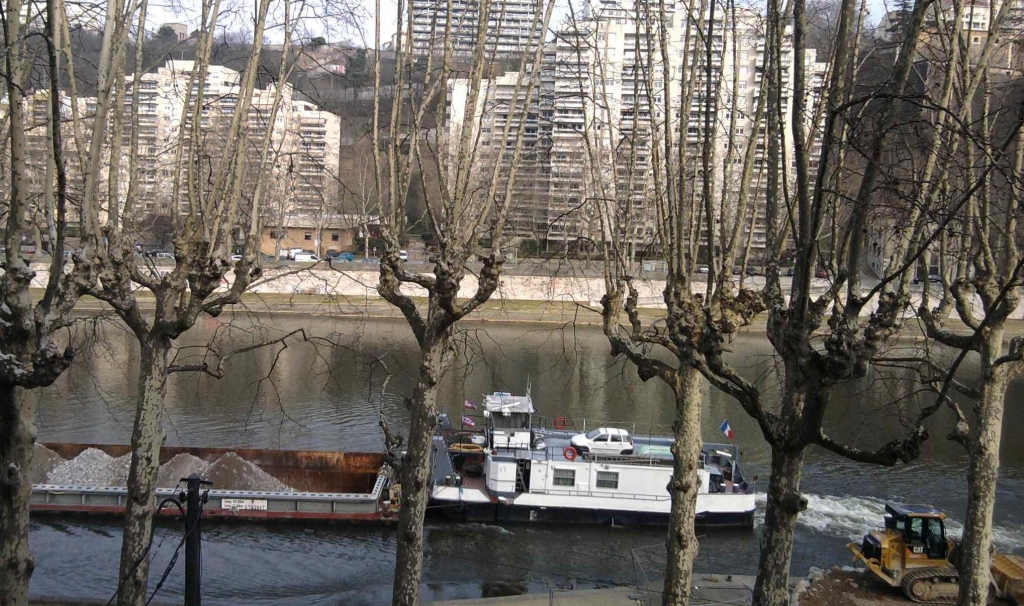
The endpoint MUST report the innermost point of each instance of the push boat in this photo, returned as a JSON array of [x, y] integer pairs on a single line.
[[522, 467], [327, 486]]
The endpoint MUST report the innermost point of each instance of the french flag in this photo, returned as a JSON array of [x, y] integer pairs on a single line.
[[468, 404], [727, 429], [468, 422]]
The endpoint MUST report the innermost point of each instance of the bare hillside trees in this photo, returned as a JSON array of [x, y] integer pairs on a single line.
[[465, 200]]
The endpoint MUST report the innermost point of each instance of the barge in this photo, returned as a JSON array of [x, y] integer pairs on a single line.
[[514, 470], [328, 486]]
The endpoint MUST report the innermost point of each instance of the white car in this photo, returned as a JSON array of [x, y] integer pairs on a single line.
[[403, 255], [306, 258], [603, 440]]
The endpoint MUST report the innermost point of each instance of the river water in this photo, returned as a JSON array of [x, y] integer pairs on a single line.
[[325, 394]]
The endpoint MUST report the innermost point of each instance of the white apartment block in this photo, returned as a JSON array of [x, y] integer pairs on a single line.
[[509, 26], [304, 139], [594, 82], [303, 158]]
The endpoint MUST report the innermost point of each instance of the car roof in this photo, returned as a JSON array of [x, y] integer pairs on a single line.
[[924, 511], [612, 430]]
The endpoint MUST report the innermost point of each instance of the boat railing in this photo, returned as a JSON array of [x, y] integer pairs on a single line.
[[601, 493], [581, 425]]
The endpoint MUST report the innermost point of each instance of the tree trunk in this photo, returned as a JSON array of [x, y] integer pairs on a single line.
[[682, 540], [784, 505], [147, 438], [975, 558], [415, 475], [17, 437]]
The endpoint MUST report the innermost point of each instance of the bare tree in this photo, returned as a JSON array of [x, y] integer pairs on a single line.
[[207, 209], [466, 203], [979, 163], [30, 329]]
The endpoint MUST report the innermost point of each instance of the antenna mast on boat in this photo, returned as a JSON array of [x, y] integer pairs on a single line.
[[527, 386]]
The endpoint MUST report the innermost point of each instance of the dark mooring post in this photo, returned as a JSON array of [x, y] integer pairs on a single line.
[[193, 538]]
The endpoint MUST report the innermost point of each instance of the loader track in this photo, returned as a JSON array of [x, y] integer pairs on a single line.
[[931, 585]]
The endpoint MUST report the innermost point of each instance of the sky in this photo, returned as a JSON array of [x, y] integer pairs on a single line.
[[239, 11]]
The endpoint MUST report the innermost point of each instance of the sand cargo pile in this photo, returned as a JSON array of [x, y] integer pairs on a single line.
[[246, 483]]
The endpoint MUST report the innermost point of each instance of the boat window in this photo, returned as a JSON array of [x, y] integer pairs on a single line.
[[593, 433], [565, 477], [617, 439], [607, 479], [601, 438]]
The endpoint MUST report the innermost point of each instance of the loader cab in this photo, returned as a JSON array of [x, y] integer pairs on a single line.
[[922, 529]]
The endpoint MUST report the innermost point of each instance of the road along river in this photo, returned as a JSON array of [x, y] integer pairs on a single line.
[[325, 395]]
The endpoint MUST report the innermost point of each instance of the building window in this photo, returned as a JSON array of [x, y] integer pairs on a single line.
[[608, 479], [335, 236], [274, 235], [976, 40], [565, 477], [308, 236]]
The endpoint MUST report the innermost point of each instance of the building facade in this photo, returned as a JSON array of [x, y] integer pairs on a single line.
[[509, 25], [590, 131], [303, 160]]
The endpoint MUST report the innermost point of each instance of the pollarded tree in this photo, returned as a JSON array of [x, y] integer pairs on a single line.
[[468, 198], [30, 348], [699, 180], [980, 183], [207, 211]]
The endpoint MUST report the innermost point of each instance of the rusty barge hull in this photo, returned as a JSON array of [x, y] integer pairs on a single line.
[[329, 487]]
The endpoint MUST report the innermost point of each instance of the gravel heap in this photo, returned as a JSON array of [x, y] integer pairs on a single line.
[[44, 461], [232, 472], [96, 468], [92, 468], [180, 466]]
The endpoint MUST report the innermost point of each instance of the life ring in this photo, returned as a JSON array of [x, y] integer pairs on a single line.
[[569, 453], [559, 422]]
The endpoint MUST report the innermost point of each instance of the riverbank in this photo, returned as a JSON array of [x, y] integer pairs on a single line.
[[551, 313]]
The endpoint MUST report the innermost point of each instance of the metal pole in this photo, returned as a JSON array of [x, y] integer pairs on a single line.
[[193, 565]]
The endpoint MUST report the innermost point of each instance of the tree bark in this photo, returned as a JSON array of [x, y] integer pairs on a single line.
[[784, 505], [147, 438], [17, 437], [983, 471], [415, 474], [682, 539]]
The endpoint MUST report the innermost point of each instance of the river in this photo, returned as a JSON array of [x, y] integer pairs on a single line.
[[325, 394]]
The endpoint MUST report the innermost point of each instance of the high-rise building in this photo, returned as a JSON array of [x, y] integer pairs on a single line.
[[509, 26], [303, 156], [589, 132]]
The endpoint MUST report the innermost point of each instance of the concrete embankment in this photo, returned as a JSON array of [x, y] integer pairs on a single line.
[[354, 287]]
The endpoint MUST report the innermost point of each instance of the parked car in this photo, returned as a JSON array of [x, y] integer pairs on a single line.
[[933, 278], [821, 273], [789, 272], [337, 255], [433, 258], [236, 257], [403, 255], [603, 440], [751, 271], [161, 254], [306, 258], [703, 269], [736, 270]]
